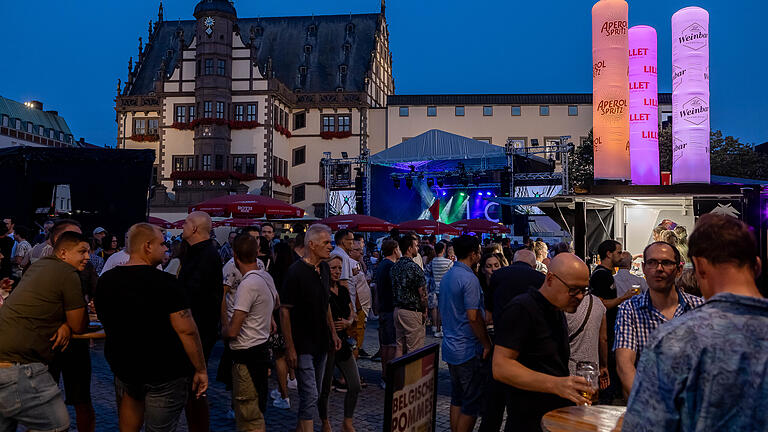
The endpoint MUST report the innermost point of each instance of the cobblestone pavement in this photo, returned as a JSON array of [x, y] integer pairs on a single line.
[[369, 414]]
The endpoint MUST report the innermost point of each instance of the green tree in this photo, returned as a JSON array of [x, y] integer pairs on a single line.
[[730, 157], [581, 163]]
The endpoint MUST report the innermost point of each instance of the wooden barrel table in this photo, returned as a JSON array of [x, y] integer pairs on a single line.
[[601, 418]]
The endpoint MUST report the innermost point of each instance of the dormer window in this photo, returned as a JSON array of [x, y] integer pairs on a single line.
[[343, 69], [347, 47], [311, 30], [350, 28], [307, 49], [302, 70], [258, 31]]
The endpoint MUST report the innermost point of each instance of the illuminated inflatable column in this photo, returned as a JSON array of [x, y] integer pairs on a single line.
[[690, 96], [610, 89], [643, 106]]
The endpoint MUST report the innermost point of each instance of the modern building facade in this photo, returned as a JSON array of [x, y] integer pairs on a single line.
[[26, 124], [235, 104]]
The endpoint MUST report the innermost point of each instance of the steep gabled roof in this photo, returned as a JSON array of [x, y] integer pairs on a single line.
[[283, 39], [37, 117]]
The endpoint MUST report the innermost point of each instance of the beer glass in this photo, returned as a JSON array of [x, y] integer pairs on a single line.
[[591, 373], [636, 289]]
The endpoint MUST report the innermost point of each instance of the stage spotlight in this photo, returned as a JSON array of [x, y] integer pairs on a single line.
[[479, 194], [440, 182], [409, 182], [396, 183], [488, 194], [430, 182], [445, 193]]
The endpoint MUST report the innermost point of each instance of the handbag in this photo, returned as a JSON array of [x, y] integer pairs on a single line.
[[584, 323]]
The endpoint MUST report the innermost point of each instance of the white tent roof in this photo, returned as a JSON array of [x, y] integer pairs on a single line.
[[437, 145]]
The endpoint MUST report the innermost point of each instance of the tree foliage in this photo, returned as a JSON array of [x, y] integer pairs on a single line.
[[728, 157]]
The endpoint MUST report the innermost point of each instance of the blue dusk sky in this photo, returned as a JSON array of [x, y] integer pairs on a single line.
[[69, 54]]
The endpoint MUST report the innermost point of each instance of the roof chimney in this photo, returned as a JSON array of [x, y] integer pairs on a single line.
[[36, 105]]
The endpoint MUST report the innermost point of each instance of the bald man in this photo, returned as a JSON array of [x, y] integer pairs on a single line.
[[531, 353], [200, 277], [515, 279]]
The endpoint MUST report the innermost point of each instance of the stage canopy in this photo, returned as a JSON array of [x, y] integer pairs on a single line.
[[439, 150]]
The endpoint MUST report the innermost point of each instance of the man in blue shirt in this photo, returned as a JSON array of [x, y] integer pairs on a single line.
[[466, 344], [705, 371]]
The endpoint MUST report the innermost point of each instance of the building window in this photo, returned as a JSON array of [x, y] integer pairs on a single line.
[[329, 123], [403, 111], [483, 139], [29, 127], [534, 142], [573, 110], [251, 112], [61, 136], [237, 163], [239, 112], [207, 109], [343, 69], [487, 111], [516, 110], [544, 110], [18, 124], [299, 156], [299, 120], [307, 49], [178, 163], [552, 144], [431, 111], [41, 131], [208, 67], [139, 126], [517, 143], [206, 162], [459, 111], [219, 162], [222, 67], [219, 110], [153, 126], [191, 163], [250, 164], [345, 123], [5, 120], [299, 193], [50, 133], [192, 113], [181, 113]]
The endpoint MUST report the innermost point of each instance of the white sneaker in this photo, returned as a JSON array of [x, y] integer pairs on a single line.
[[438, 334], [282, 403], [292, 384], [275, 394]]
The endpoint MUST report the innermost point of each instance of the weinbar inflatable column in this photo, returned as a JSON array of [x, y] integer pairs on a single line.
[[690, 96], [610, 90], [643, 106]]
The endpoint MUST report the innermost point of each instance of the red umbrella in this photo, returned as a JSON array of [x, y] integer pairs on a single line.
[[356, 222], [179, 224], [162, 223], [239, 222], [246, 205], [480, 226], [427, 227]]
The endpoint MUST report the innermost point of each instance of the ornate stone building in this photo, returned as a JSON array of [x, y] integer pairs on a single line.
[[250, 104]]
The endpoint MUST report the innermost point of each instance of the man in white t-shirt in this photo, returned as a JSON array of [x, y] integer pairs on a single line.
[[248, 328], [344, 239]]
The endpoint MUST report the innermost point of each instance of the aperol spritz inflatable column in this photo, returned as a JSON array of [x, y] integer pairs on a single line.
[[690, 96], [610, 89], [643, 106]]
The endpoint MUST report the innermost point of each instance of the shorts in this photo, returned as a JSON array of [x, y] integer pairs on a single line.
[[432, 300], [29, 397], [163, 402], [246, 400], [387, 329], [74, 364], [409, 330], [468, 382]]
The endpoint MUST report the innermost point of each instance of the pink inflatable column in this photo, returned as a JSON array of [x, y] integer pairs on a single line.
[[610, 89], [643, 106], [690, 96]]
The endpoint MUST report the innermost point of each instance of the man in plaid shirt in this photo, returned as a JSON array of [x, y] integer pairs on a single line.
[[639, 316]]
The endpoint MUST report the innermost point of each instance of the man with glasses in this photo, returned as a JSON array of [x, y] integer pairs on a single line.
[[531, 353], [640, 316]]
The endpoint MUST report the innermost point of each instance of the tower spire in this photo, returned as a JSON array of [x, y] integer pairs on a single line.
[[160, 12], [383, 6]]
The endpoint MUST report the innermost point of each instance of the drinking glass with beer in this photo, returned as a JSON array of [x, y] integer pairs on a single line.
[[590, 372]]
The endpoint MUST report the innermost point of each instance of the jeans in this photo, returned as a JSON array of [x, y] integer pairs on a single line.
[[348, 368], [163, 402], [309, 377], [28, 396]]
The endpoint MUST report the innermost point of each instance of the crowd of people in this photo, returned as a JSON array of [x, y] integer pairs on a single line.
[[517, 323]]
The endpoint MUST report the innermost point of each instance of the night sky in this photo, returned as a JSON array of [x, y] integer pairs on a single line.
[[69, 54]]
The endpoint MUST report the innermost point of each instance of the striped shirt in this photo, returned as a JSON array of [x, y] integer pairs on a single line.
[[637, 318], [440, 266]]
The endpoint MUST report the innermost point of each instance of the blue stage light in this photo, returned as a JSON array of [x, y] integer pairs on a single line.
[[488, 194]]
